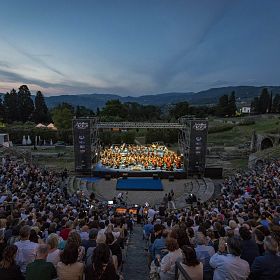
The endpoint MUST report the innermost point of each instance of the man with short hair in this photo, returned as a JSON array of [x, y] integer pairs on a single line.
[[91, 242], [229, 266], [40, 268], [204, 253], [26, 252], [267, 266]]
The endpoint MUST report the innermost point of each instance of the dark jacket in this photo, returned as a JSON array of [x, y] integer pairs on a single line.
[[250, 250], [109, 273], [266, 267], [12, 273], [40, 270]]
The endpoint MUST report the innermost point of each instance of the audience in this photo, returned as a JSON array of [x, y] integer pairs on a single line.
[[219, 239]]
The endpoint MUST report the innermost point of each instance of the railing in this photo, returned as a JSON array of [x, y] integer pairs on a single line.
[[178, 268]]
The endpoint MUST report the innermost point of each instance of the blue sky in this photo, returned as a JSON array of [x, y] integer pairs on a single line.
[[136, 47]]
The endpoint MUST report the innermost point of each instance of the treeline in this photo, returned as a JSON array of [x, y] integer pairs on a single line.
[[18, 106], [266, 103]]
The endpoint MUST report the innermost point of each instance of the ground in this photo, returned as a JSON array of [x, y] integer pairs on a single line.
[[107, 189]]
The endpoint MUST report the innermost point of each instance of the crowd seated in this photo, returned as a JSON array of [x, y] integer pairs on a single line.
[[234, 236], [133, 157], [47, 233]]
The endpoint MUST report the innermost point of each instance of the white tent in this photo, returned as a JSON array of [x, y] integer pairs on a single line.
[[40, 125], [51, 126]]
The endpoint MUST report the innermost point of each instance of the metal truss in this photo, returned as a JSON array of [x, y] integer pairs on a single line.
[[124, 125]]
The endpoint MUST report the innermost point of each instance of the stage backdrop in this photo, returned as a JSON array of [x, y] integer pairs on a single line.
[[82, 144], [198, 146]]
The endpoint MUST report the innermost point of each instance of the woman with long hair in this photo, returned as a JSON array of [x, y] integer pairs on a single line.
[[75, 239], [191, 264], [8, 268], [69, 268], [102, 267]]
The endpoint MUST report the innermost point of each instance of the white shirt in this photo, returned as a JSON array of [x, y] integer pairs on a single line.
[[26, 253], [229, 267], [54, 257]]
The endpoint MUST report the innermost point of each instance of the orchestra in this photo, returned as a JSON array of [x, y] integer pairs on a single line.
[[139, 157]]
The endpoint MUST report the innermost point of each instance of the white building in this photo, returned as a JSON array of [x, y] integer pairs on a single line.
[[4, 140], [246, 110]]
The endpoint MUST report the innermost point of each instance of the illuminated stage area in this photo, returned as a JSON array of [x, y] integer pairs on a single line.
[[137, 158]]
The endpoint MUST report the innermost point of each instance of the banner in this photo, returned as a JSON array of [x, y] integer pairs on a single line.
[[82, 144], [198, 146]]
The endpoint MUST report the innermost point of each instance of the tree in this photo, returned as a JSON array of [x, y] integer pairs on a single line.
[[264, 101], [114, 110], [11, 106], [180, 109], [255, 105], [82, 111], [41, 112], [2, 110], [62, 115], [25, 103], [232, 105], [276, 104], [222, 108]]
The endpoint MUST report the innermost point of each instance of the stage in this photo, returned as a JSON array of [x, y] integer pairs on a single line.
[[139, 184], [102, 171]]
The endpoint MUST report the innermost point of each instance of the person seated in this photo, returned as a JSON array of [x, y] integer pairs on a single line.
[[40, 268], [267, 266], [167, 263], [69, 268], [192, 266], [9, 270], [229, 266], [102, 266]]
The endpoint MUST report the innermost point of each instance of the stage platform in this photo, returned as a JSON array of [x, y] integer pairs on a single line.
[[139, 184], [101, 171]]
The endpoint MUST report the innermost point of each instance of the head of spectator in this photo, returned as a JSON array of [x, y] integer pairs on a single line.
[[74, 238], [69, 254], [33, 236], [171, 244], [200, 238], [190, 258], [234, 246], [93, 234], [271, 245], [101, 238], [52, 241], [245, 233], [24, 233], [42, 252], [8, 257]]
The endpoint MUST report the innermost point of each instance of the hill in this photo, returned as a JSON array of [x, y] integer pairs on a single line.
[[244, 95]]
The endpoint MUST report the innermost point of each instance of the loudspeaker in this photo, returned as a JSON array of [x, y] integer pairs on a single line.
[[171, 178], [155, 176], [125, 175], [108, 177]]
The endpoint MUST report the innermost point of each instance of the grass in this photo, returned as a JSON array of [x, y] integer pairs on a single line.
[[241, 134]]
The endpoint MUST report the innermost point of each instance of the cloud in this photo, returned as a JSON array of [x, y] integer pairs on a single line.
[[37, 58], [177, 63], [66, 86]]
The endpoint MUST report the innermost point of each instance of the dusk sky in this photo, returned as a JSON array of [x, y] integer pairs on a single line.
[[137, 47]]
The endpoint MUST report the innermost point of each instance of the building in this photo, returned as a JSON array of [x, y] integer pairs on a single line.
[[246, 110], [4, 140]]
